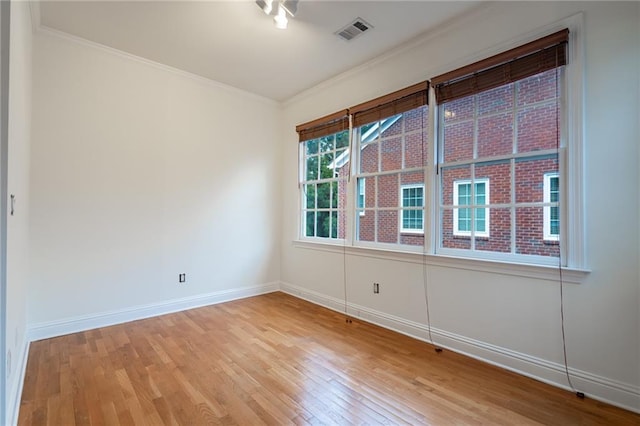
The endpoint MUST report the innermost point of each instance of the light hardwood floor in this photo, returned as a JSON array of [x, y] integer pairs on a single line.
[[275, 359]]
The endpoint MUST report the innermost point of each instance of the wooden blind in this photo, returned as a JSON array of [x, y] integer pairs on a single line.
[[324, 126], [524, 61], [394, 103]]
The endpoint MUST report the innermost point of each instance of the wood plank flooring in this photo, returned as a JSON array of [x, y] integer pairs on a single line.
[[277, 360]]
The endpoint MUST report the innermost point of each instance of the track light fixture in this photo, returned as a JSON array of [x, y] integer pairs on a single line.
[[280, 9]]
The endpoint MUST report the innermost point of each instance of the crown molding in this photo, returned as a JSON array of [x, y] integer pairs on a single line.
[[51, 32]]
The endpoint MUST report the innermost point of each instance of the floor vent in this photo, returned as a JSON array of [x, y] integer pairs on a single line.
[[354, 29]]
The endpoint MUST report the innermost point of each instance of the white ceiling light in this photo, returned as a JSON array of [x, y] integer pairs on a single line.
[[285, 7]]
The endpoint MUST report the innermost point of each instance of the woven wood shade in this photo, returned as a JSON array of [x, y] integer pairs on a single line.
[[524, 61]]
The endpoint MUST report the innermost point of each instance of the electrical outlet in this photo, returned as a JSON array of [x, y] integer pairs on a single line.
[[182, 278], [376, 288]]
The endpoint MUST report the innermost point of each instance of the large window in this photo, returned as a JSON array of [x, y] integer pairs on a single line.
[[488, 182], [390, 154], [502, 125], [323, 185]]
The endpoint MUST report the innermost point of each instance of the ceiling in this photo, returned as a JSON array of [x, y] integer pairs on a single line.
[[235, 43]]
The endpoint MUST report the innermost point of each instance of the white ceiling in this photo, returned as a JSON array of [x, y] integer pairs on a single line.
[[235, 43]]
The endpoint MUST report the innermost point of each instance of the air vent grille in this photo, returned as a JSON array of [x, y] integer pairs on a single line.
[[354, 29]]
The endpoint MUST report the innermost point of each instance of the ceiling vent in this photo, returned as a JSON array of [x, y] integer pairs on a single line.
[[354, 29]]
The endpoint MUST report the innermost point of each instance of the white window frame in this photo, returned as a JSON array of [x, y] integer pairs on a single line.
[[546, 212], [404, 209], [473, 208], [303, 198]]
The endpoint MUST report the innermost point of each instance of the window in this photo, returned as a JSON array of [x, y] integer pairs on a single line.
[[551, 210], [390, 152], [502, 124], [464, 217], [390, 158], [322, 185], [412, 209]]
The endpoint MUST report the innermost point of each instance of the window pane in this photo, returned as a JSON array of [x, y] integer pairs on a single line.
[[449, 240], [554, 224], [388, 226], [554, 190], [327, 143], [310, 224], [324, 195], [537, 88], [459, 109], [529, 233], [495, 135], [499, 176], [464, 219], [361, 193], [334, 224], [538, 127], [530, 177], [323, 224], [310, 195], [366, 226], [499, 99], [416, 152], [500, 232], [391, 154], [312, 168], [388, 191], [450, 175], [458, 141], [369, 158], [311, 147], [326, 171]]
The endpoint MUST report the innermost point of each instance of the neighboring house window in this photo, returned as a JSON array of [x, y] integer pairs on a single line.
[[471, 219], [551, 210], [412, 209], [361, 196]]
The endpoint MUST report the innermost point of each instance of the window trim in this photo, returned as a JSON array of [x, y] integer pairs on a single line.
[[546, 210], [473, 207], [403, 230]]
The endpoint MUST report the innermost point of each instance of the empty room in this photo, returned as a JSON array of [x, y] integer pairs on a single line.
[[319, 212]]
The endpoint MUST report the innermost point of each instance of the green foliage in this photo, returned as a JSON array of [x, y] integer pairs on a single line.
[[319, 154]]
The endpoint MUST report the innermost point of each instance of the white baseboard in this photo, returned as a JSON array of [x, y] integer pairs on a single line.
[[50, 329], [15, 393], [613, 392]]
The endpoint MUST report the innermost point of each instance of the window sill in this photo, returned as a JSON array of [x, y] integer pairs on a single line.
[[543, 272]]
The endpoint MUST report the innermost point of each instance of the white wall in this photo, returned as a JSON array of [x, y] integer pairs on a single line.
[[510, 320], [140, 173], [20, 74]]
